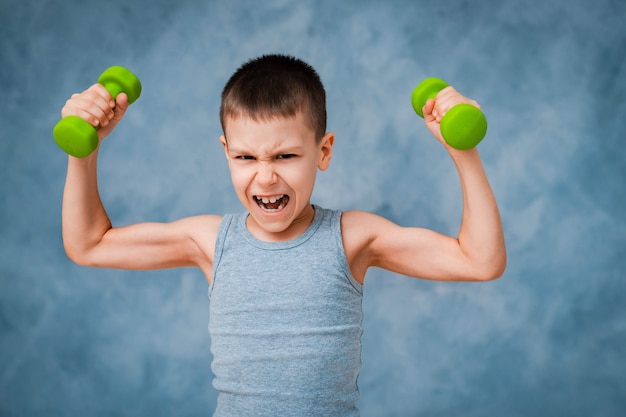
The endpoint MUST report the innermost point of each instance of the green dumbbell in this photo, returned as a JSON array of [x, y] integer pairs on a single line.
[[462, 127], [79, 138]]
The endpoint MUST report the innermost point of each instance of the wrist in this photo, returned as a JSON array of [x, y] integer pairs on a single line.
[[465, 156], [87, 161]]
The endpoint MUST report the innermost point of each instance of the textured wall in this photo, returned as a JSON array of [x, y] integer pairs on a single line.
[[547, 339]]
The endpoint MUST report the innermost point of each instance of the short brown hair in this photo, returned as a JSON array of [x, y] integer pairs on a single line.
[[275, 86]]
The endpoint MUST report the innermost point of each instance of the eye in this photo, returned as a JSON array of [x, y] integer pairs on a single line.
[[245, 157], [286, 156]]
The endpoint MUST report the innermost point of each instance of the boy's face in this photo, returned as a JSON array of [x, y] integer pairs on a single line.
[[273, 165]]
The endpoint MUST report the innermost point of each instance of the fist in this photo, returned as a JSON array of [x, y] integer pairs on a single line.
[[96, 106]]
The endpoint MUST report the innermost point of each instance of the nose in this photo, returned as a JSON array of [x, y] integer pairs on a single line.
[[266, 174]]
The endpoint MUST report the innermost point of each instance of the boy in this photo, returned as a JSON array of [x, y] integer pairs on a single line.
[[285, 277]]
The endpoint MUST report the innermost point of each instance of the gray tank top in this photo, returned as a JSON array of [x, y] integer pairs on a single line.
[[285, 322]]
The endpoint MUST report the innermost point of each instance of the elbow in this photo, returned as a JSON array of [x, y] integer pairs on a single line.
[[76, 257], [492, 271], [76, 254], [492, 275]]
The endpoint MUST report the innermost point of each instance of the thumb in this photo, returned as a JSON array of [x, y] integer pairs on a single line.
[[427, 110], [121, 105]]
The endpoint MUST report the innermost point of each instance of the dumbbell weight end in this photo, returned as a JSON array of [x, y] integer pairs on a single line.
[[118, 79], [424, 91], [75, 136], [463, 126]]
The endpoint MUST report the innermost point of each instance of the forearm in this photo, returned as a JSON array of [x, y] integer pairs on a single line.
[[481, 237], [84, 218]]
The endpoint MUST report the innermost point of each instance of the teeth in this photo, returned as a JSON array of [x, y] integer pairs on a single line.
[[272, 200]]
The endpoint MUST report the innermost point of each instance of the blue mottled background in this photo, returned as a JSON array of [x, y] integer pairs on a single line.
[[548, 339]]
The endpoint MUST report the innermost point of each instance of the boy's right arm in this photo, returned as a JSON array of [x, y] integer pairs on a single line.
[[88, 235]]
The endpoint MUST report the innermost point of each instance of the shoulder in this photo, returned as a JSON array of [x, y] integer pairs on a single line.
[[359, 231], [362, 228], [202, 230], [363, 223], [203, 225]]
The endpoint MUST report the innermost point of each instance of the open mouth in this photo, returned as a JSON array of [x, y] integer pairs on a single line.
[[272, 204]]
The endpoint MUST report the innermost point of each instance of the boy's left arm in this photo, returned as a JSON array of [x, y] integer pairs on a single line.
[[478, 253]]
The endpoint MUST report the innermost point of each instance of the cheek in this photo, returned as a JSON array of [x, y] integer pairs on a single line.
[[240, 179], [302, 178]]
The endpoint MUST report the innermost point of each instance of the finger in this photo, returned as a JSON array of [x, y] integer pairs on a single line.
[[443, 100], [438, 111], [88, 110], [450, 97], [100, 97], [93, 105], [446, 93]]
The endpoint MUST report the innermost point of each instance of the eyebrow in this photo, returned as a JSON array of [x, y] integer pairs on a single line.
[[279, 150]]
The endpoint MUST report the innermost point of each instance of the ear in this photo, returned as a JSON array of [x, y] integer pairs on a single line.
[[326, 151], [225, 145]]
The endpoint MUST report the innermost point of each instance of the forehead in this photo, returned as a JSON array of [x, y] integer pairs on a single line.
[[270, 133]]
